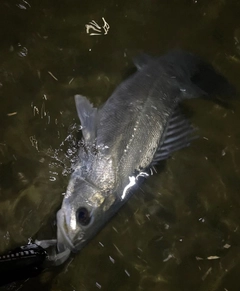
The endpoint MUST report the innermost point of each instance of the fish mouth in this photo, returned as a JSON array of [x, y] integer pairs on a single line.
[[63, 240]]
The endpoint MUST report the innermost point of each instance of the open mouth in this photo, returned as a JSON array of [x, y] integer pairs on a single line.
[[54, 258], [63, 241]]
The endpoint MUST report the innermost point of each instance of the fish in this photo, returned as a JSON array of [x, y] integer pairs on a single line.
[[139, 126]]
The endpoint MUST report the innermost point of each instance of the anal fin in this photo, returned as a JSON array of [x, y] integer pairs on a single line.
[[178, 135]]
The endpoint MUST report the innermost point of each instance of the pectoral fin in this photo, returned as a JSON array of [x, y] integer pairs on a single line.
[[88, 116]]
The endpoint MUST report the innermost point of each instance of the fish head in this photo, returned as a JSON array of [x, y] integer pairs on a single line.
[[85, 208]]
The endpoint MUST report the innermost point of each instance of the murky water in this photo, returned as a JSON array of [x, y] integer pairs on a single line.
[[180, 231]]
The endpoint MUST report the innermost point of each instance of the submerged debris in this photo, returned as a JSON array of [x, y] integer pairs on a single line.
[[12, 113], [208, 258], [213, 258], [126, 271], [98, 29], [51, 74], [98, 285], [207, 273], [111, 259], [227, 246]]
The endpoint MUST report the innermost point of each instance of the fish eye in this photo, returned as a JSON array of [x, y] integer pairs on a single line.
[[83, 216]]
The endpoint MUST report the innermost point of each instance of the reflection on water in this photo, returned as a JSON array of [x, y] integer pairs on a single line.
[[180, 231]]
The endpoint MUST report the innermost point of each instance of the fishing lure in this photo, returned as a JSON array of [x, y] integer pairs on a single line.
[[28, 261]]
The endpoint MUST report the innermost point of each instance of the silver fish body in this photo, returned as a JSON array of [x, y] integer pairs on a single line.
[[124, 138]]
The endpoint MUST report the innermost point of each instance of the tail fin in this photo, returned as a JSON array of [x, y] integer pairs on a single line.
[[199, 76]]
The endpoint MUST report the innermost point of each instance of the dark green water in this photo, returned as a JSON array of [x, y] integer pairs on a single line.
[[180, 232]]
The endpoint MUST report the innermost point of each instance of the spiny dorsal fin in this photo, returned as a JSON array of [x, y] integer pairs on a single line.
[[178, 135], [88, 116]]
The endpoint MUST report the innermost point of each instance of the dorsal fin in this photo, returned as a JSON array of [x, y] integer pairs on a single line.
[[88, 117], [142, 60], [178, 135]]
